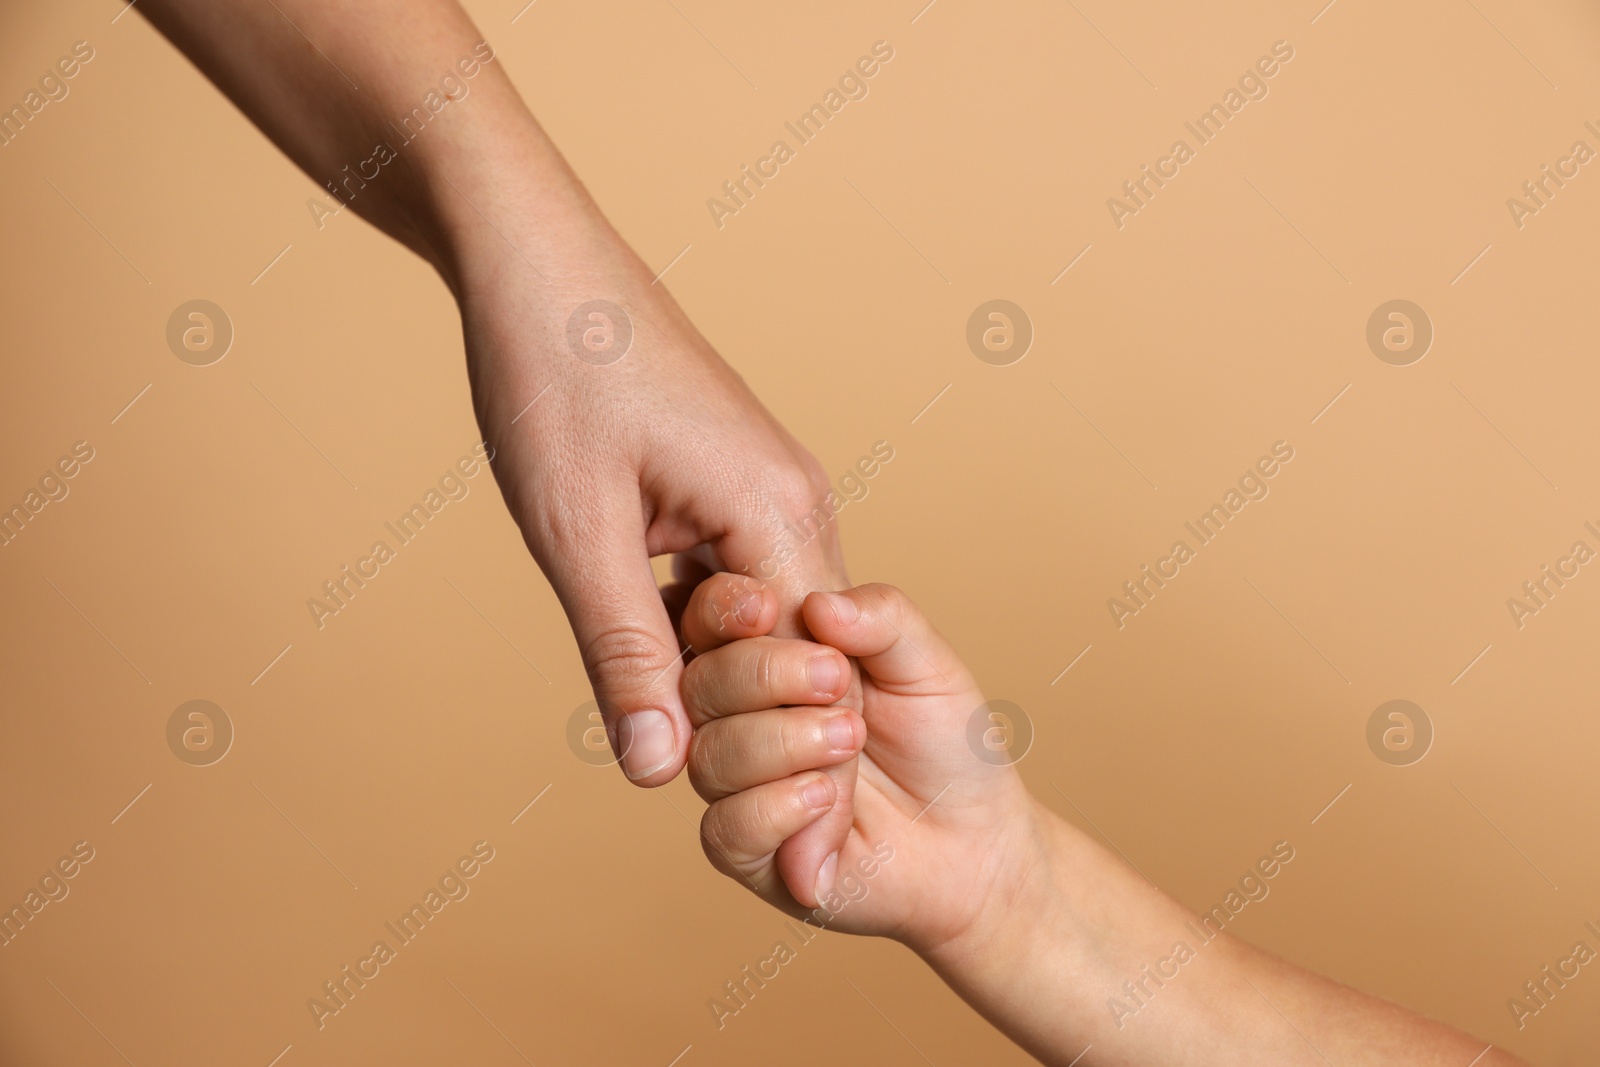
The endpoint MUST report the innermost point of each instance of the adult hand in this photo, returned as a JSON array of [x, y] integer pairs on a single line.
[[624, 438], [609, 451], [636, 443]]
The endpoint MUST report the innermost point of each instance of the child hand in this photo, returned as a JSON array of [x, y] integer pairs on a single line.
[[939, 834], [1035, 924]]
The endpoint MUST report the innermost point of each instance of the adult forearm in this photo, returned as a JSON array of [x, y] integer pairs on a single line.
[[1091, 955], [399, 111]]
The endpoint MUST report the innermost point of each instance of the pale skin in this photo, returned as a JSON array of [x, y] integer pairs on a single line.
[[1027, 918], [663, 451]]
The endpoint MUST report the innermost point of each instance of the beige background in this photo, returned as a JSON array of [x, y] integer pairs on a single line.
[[1222, 318]]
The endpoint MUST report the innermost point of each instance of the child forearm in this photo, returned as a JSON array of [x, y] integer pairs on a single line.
[[1092, 960]]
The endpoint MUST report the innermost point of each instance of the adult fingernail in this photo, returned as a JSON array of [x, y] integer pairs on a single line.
[[825, 674], [841, 733], [647, 743], [844, 609], [825, 875], [815, 795]]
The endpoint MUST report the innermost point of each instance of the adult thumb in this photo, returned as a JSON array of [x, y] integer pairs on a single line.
[[604, 581]]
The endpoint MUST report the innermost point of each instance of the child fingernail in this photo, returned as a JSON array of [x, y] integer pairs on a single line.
[[844, 609], [825, 875], [815, 795], [748, 610], [825, 674], [841, 734]]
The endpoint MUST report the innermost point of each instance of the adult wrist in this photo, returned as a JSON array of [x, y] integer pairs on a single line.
[[498, 209]]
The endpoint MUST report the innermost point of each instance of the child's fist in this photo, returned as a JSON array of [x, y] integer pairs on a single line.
[[936, 828]]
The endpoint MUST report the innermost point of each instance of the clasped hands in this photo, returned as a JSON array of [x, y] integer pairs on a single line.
[[936, 838]]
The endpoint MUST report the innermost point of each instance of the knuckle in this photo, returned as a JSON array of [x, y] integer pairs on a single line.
[[711, 854], [764, 669], [815, 476], [624, 656], [792, 741], [765, 813], [713, 836], [698, 761], [888, 600], [705, 761], [796, 490], [693, 683]]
